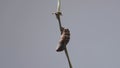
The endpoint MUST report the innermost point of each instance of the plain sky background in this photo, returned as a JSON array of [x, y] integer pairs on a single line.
[[29, 33]]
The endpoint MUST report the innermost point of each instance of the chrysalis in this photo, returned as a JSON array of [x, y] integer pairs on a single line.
[[64, 39]]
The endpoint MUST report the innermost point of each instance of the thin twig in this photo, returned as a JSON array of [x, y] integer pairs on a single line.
[[66, 52], [58, 14], [60, 26]]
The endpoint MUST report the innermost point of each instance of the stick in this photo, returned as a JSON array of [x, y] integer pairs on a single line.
[[58, 14], [60, 26], [66, 52]]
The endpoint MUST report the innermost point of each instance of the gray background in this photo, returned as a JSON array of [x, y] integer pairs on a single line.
[[29, 33]]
